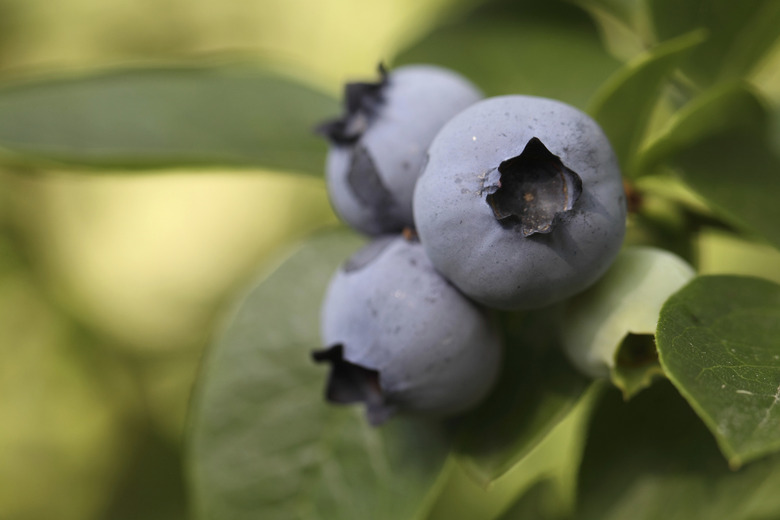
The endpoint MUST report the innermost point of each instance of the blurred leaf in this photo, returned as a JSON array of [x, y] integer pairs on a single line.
[[626, 11], [740, 34], [719, 343], [718, 110], [766, 79], [327, 40], [671, 189], [538, 388], [11, 258], [524, 49], [263, 442], [719, 252], [720, 145], [153, 489], [535, 503], [652, 458], [660, 217], [635, 90], [624, 24], [608, 329], [555, 460], [66, 411], [153, 118]]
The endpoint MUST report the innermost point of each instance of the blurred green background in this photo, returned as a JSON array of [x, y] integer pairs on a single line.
[[112, 285]]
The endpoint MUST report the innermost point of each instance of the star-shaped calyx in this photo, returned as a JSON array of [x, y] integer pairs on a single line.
[[362, 101], [533, 190], [351, 383]]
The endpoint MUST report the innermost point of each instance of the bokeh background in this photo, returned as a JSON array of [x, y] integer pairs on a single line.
[[112, 285]]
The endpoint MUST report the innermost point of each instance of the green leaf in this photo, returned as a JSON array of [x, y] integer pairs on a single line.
[[624, 25], [529, 50], [627, 12], [721, 147], [538, 388], [739, 175], [263, 441], [732, 107], [719, 343], [652, 458], [635, 90], [607, 330], [555, 460], [154, 118], [740, 33]]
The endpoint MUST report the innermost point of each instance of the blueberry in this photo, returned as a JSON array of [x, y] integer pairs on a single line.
[[378, 146], [521, 203], [400, 338]]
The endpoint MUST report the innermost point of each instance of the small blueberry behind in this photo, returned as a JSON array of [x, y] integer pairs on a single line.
[[378, 145]]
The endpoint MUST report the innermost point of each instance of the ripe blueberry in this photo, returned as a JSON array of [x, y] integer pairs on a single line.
[[521, 203], [378, 146], [399, 337]]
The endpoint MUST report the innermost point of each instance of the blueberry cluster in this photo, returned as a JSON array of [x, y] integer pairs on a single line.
[[472, 204]]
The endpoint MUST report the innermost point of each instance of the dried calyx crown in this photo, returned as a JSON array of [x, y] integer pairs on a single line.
[[351, 383], [534, 189], [362, 101]]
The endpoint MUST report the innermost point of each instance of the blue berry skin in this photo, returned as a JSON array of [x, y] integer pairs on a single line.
[[400, 338], [378, 147], [561, 220]]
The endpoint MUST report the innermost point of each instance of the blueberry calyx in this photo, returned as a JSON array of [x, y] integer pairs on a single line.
[[366, 184], [637, 350], [535, 187], [362, 100], [351, 383]]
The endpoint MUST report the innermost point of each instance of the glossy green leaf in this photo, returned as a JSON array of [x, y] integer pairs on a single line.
[[719, 343], [608, 329], [522, 49], [154, 118], [652, 458], [721, 147], [634, 90], [740, 33], [263, 441], [538, 388]]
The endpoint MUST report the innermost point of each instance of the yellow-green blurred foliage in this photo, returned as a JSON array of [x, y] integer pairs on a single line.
[[330, 39], [112, 284]]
